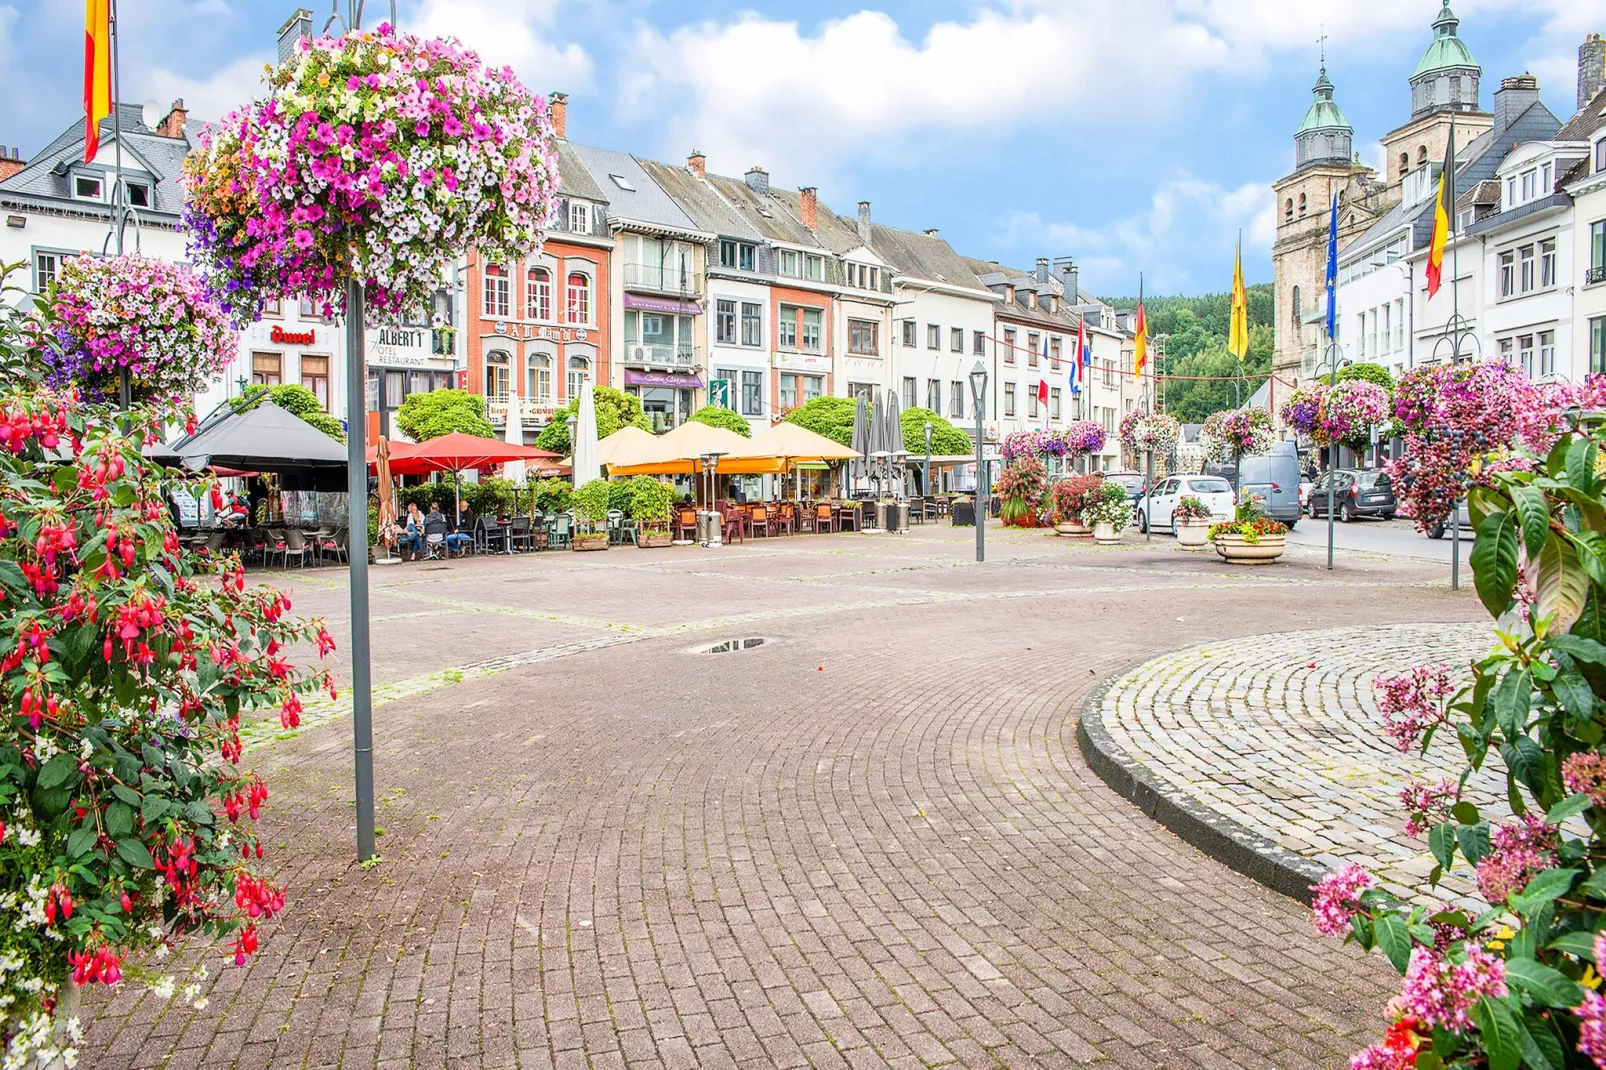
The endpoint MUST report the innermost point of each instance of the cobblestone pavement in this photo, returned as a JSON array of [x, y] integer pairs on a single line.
[[870, 842], [1280, 735]]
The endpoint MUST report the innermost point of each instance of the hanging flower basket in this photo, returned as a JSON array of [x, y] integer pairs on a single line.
[[1303, 409], [1074, 440], [1235, 433], [148, 316], [1349, 412], [378, 154], [1143, 431], [1083, 437]]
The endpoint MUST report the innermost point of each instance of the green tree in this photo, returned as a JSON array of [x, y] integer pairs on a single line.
[[719, 416], [831, 417], [298, 401], [442, 412], [946, 439], [615, 409], [1368, 372]]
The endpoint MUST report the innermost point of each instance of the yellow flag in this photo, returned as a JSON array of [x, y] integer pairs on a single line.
[[1238, 332], [97, 72]]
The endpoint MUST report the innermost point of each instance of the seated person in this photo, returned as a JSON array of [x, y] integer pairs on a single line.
[[235, 512], [462, 540], [413, 541]]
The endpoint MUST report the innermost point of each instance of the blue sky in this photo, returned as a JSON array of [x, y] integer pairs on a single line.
[[1134, 135]]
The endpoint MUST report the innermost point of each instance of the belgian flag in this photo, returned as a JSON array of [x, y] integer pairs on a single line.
[[1443, 216], [97, 72]]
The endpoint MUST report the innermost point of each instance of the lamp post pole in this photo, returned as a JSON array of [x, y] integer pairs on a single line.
[[925, 480], [978, 396], [1334, 352], [362, 699]]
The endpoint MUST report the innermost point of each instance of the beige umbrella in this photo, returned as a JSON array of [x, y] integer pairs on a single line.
[[388, 529]]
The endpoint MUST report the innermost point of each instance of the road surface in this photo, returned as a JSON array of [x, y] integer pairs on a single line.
[[1397, 537]]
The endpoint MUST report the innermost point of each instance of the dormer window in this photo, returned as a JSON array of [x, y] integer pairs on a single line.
[[1009, 294], [86, 188], [579, 217], [139, 194], [1600, 155]]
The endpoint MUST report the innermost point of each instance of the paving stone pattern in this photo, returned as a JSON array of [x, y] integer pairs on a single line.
[[1280, 735], [872, 842]]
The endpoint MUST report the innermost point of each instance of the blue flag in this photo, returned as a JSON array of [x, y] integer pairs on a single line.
[[1332, 270]]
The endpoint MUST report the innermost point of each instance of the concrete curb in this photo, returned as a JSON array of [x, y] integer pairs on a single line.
[[1222, 839]]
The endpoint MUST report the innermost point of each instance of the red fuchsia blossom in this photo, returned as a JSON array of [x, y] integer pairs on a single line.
[[101, 965], [1585, 774], [1592, 1027], [1517, 852], [1338, 897], [1426, 805], [1412, 702], [1440, 992]]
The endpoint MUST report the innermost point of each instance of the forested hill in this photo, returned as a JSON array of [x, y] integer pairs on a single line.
[[1196, 344]]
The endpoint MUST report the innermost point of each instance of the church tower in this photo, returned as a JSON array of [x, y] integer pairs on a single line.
[[1444, 85]]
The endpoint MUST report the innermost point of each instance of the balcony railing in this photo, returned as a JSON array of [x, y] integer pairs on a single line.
[[682, 356], [1594, 275], [530, 409], [671, 279]]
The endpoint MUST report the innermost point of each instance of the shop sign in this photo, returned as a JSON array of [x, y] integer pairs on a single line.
[[802, 362], [292, 338], [546, 334], [401, 347]]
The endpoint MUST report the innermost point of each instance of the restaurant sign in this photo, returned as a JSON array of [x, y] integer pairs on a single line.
[[671, 379], [292, 338], [547, 334], [817, 363], [402, 347], [661, 304]]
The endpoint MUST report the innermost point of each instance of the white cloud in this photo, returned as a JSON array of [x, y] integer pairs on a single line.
[[514, 33], [210, 98], [1184, 214]]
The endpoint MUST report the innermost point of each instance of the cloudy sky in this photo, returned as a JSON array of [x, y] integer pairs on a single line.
[[1134, 135]]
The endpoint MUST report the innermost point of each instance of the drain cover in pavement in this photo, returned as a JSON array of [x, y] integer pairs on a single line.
[[736, 646]]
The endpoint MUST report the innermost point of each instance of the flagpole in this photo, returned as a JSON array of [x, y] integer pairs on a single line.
[[119, 217], [1448, 181]]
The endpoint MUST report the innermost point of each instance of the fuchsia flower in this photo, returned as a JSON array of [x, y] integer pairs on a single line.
[[1413, 702], [1592, 1027], [1338, 897], [1426, 805]]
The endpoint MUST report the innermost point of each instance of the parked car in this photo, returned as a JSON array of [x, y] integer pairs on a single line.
[[1132, 483], [1442, 528], [1274, 478], [1156, 509], [1356, 493]]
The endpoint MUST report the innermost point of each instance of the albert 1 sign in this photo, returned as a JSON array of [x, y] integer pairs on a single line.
[[719, 393]]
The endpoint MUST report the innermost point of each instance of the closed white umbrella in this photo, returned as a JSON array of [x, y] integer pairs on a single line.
[[587, 466], [514, 470]]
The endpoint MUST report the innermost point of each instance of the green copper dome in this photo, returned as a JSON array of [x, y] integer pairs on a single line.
[[1323, 113], [1447, 50]]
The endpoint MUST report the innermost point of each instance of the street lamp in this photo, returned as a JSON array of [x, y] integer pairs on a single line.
[[1332, 363], [978, 398], [925, 482]]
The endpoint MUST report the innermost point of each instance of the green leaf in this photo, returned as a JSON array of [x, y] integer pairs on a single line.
[[126, 793], [1465, 812], [1543, 888], [1533, 512], [1574, 694], [1579, 945], [1393, 938], [1474, 841], [1581, 464], [1545, 985], [135, 853], [79, 843], [1512, 699], [1579, 648], [1559, 586], [1500, 1033], [1541, 1048], [1571, 806], [153, 808], [1595, 886], [61, 769], [119, 819], [1441, 841], [1526, 763], [1494, 561]]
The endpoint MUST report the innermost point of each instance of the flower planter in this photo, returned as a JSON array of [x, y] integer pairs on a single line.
[[1070, 530], [652, 540], [1193, 534], [599, 541], [1104, 534], [1239, 551]]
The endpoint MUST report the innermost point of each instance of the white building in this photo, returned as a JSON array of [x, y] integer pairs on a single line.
[[1585, 276]]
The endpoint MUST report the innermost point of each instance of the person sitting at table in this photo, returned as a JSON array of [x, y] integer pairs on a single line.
[[413, 541], [464, 535], [235, 512]]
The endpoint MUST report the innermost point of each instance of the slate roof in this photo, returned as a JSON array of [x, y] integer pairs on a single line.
[[699, 200], [646, 203], [577, 181], [37, 183], [923, 257], [1485, 192], [1587, 123], [837, 233]]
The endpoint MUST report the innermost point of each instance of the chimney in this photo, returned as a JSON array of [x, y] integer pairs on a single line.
[[297, 26], [1066, 269], [758, 180], [864, 222], [172, 124], [1041, 274], [932, 233], [1515, 96], [1591, 69], [10, 161], [558, 108], [808, 199], [697, 164]]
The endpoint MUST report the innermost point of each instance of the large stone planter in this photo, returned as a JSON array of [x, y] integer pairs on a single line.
[[598, 541], [1193, 534], [1104, 534], [1072, 530], [651, 540], [1238, 551]]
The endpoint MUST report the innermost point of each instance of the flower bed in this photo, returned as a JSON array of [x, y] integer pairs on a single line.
[[1069, 497]]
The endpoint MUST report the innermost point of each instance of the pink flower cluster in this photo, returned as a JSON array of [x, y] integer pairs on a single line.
[[1517, 852], [1413, 702], [1350, 410], [379, 154], [1592, 1027], [1440, 992], [1338, 897], [1383, 1057], [1585, 774], [1303, 408], [1426, 805], [1234, 433], [1143, 431]]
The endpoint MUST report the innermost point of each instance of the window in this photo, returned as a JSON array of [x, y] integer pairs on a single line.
[[1597, 243], [538, 378], [1009, 399], [1031, 349], [1600, 156], [86, 187], [786, 327], [579, 298], [1547, 179], [45, 266], [139, 194], [1507, 350], [909, 333], [786, 262], [933, 336], [496, 290], [1525, 354], [752, 324], [956, 340], [1511, 191], [725, 322], [538, 293], [1384, 333], [908, 391], [1109, 373], [1009, 346], [1421, 155], [1399, 324], [956, 399], [862, 337], [1054, 403], [1530, 182], [1288, 210], [1547, 263], [579, 375], [1526, 256], [978, 343], [1031, 402], [1508, 274], [1054, 352], [1547, 353], [752, 393], [315, 377], [813, 268], [273, 308], [1296, 306], [796, 389], [496, 374], [1597, 345], [579, 217], [737, 254], [266, 369], [934, 395], [1405, 163], [1371, 338], [813, 318]]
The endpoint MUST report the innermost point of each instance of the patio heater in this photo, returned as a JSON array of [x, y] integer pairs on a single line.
[[708, 521], [978, 397]]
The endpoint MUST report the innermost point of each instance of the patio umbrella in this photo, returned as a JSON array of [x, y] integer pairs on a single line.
[[892, 436], [624, 445], [265, 438], [387, 497], [586, 465], [860, 440], [458, 452], [793, 445], [680, 452]]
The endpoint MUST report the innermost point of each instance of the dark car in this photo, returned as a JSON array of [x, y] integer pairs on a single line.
[[1356, 493], [1132, 483]]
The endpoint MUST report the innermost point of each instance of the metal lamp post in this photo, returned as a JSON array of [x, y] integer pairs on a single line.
[[925, 481], [1332, 363], [978, 397]]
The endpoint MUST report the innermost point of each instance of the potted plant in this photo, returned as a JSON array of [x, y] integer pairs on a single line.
[[1250, 537], [1022, 487], [651, 507], [1067, 501], [1109, 514], [590, 507], [1192, 518]]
